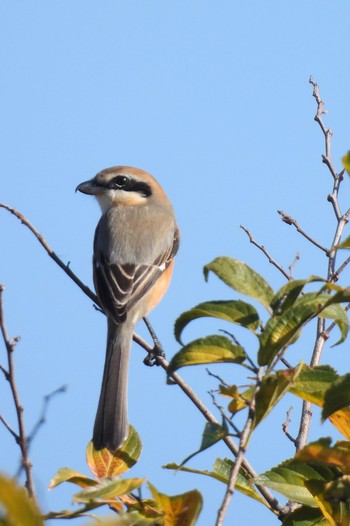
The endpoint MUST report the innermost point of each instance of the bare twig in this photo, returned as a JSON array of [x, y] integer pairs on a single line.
[[41, 421], [270, 499], [335, 276], [221, 380], [42, 418], [327, 157], [332, 274], [20, 437], [51, 253], [58, 261], [9, 428], [243, 442], [290, 221], [292, 266], [267, 254], [224, 416], [285, 426]]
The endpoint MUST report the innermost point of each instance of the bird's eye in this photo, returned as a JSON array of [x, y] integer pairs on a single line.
[[121, 181]]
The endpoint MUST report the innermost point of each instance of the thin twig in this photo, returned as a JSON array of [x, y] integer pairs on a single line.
[[51, 253], [9, 428], [20, 437], [327, 132], [42, 417], [58, 261], [290, 221], [292, 266], [332, 275], [267, 254], [224, 416], [270, 499], [285, 426], [221, 380], [335, 276], [41, 420], [243, 442]]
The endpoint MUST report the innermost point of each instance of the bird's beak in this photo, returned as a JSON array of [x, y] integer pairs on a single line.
[[87, 187]]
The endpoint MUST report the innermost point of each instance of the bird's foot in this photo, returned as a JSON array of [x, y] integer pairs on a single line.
[[153, 355]]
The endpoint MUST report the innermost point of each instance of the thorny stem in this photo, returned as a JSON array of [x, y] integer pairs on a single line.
[[20, 437]]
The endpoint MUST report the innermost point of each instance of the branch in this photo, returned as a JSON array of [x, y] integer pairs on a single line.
[[292, 265], [20, 437], [290, 221], [270, 499], [41, 420], [263, 249], [332, 275], [58, 261], [243, 442], [327, 132]]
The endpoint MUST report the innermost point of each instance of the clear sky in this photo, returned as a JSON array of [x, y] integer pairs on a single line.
[[213, 99]]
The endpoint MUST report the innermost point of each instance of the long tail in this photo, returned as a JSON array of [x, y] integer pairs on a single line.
[[111, 422]]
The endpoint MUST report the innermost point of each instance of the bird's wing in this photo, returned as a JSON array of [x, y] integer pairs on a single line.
[[120, 287]]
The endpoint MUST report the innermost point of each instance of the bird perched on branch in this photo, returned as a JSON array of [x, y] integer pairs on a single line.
[[135, 244]]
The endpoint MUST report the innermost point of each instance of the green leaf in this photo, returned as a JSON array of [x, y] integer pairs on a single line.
[[241, 278], [338, 490], [238, 312], [289, 479], [344, 244], [221, 472], [272, 389], [107, 488], [337, 396], [211, 349], [313, 382], [69, 475], [341, 296], [337, 313], [312, 385], [105, 463], [212, 434], [316, 488], [280, 330], [346, 161], [288, 293], [179, 510], [16, 508], [306, 516]]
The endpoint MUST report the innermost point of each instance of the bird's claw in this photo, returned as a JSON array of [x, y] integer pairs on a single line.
[[153, 355]]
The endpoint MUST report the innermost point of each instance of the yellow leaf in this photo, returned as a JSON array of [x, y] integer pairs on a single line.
[[179, 510], [346, 161], [16, 507], [341, 420], [69, 475], [106, 464]]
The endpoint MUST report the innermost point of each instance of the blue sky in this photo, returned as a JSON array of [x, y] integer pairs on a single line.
[[213, 99]]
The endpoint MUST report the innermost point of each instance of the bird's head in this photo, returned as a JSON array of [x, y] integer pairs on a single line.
[[121, 186]]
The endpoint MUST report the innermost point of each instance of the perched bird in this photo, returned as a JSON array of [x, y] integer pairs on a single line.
[[135, 243]]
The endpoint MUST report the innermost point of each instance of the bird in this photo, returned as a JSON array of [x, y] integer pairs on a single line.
[[135, 242]]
